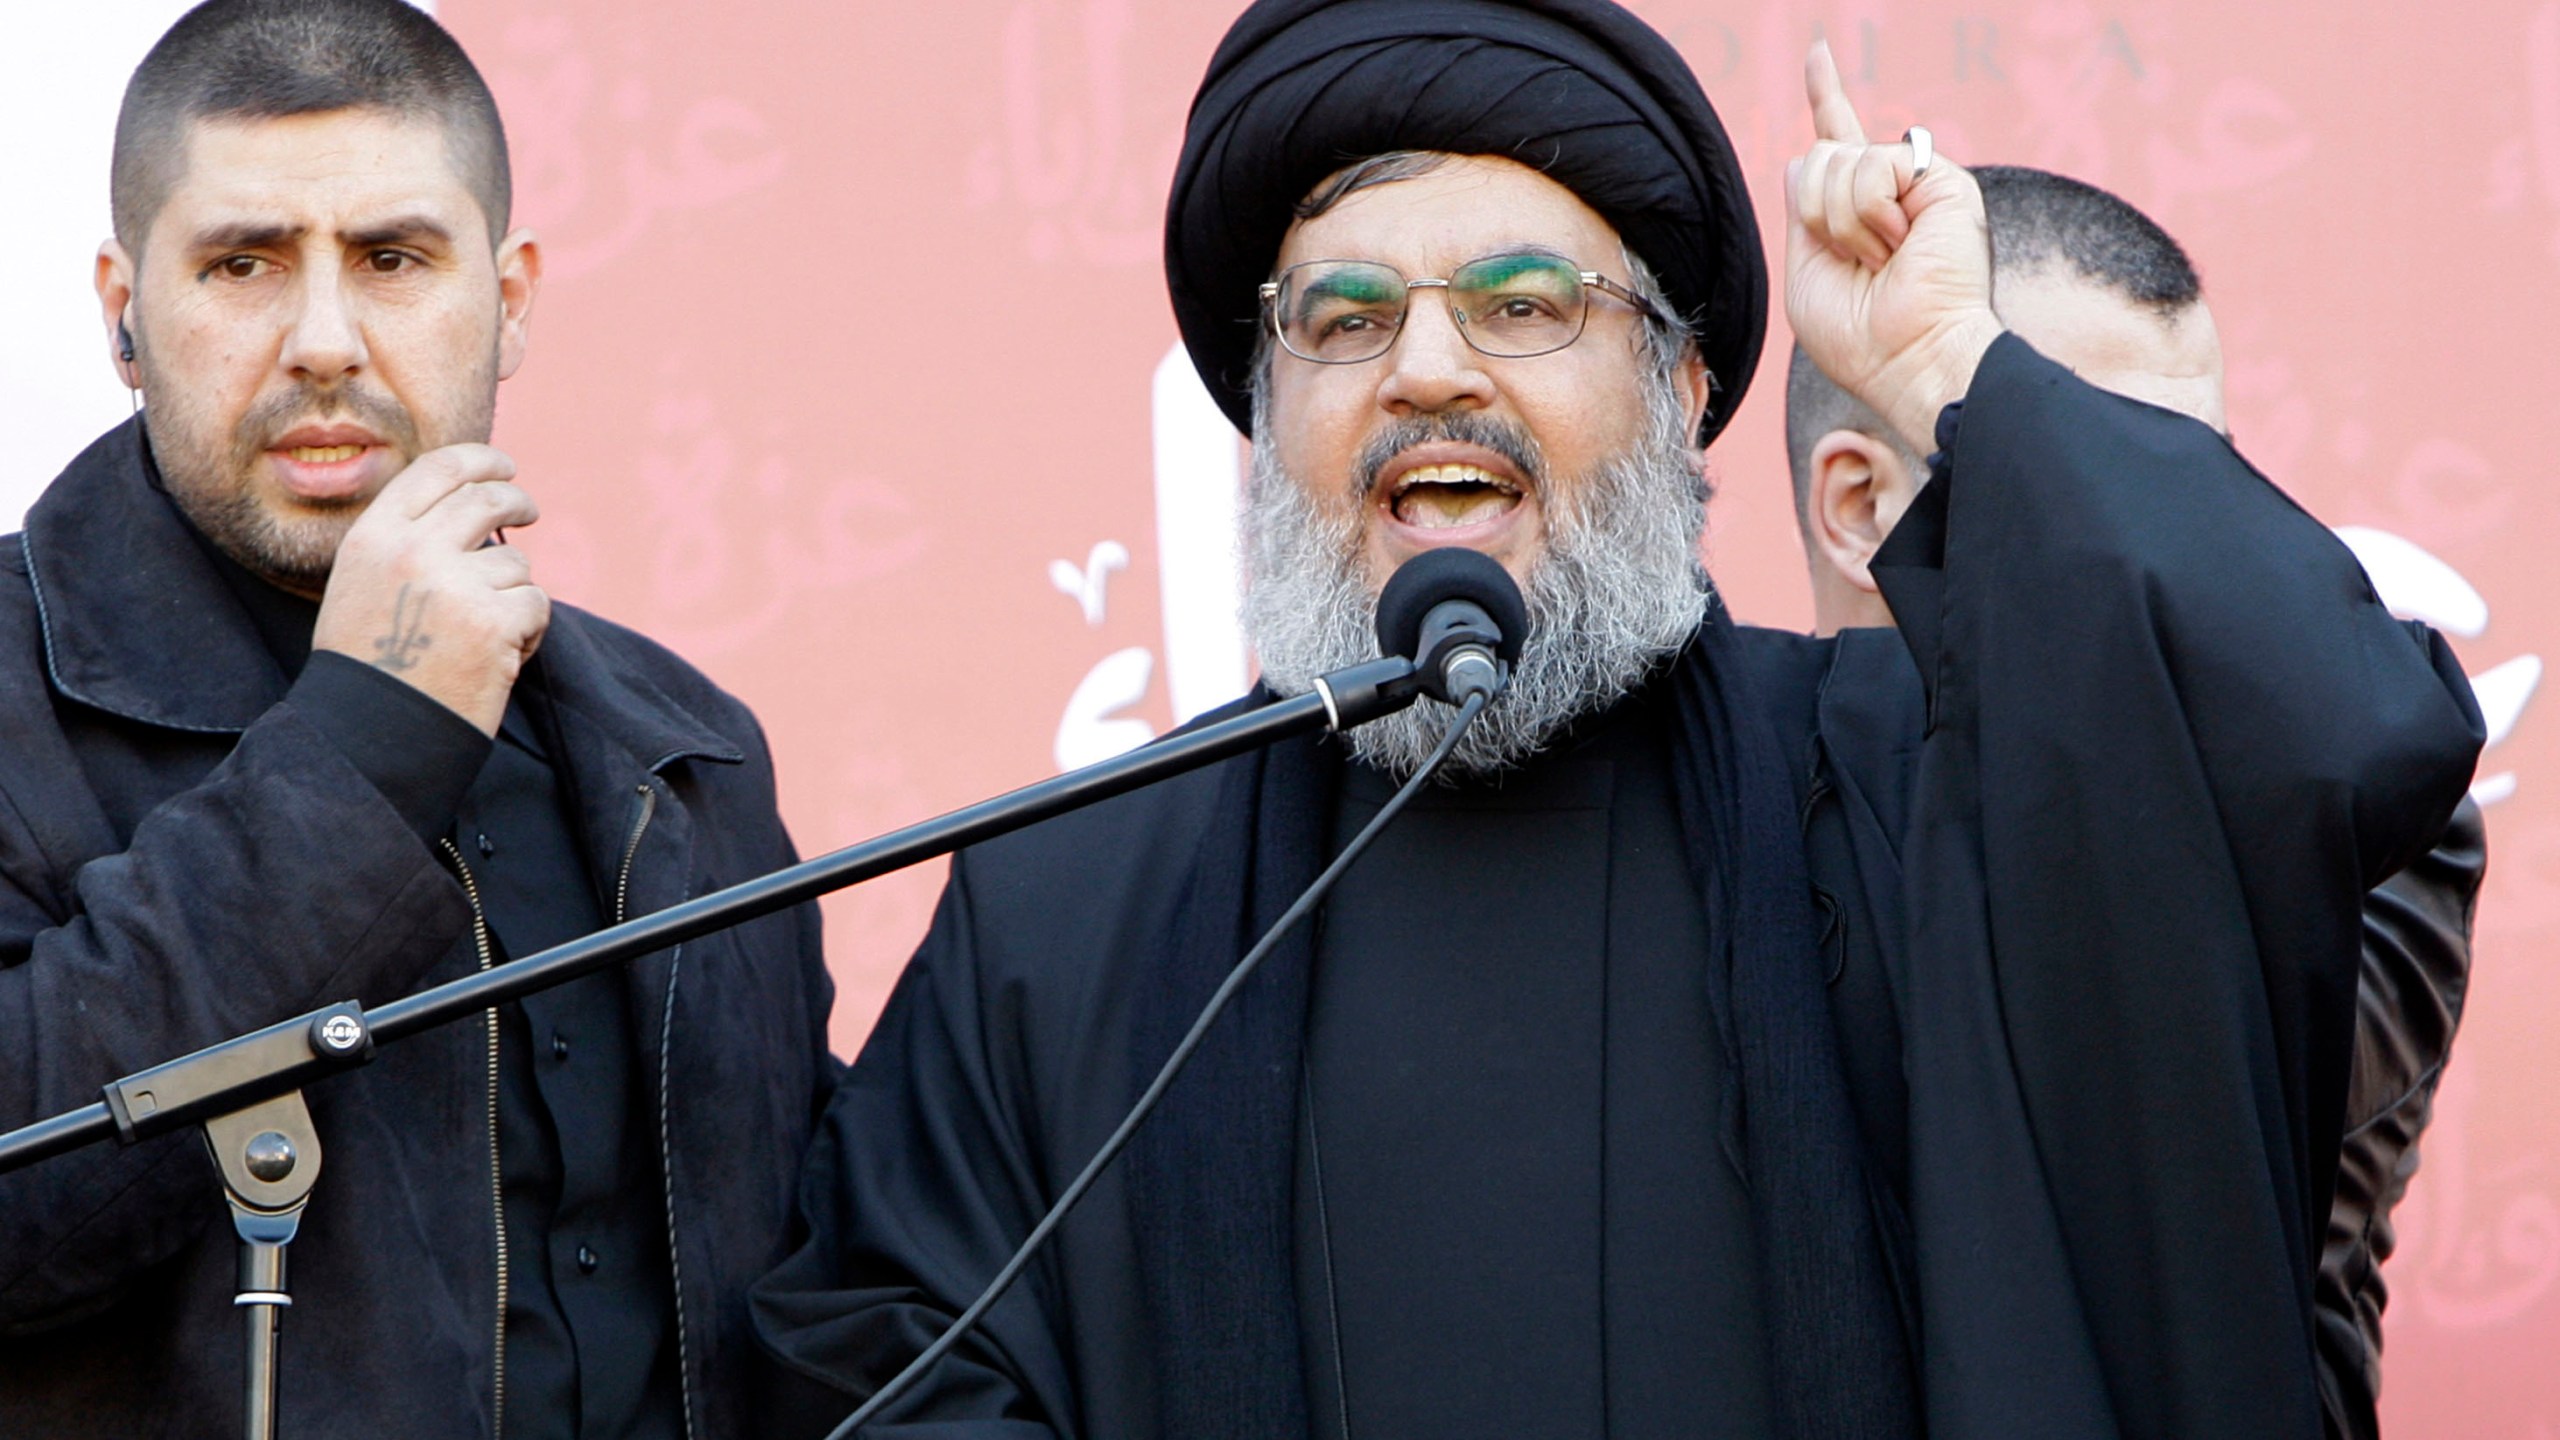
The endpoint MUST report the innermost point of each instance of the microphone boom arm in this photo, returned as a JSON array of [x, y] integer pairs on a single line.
[[250, 1068], [245, 1093]]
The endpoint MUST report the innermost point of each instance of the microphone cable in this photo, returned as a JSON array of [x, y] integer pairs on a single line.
[[1298, 910]]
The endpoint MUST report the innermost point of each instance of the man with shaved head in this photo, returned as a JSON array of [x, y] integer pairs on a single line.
[[2084, 277], [2098, 287], [288, 723]]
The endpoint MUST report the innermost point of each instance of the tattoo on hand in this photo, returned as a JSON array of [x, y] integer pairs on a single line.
[[398, 650]]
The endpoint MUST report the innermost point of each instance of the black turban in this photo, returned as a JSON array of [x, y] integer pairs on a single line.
[[1578, 89]]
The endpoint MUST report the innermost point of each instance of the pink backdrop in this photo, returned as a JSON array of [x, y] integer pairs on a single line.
[[808, 400]]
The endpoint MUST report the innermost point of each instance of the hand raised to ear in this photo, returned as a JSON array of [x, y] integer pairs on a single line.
[[1888, 282]]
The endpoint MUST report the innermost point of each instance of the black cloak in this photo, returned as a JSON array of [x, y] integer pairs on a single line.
[[2103, 834], [1578, 89]]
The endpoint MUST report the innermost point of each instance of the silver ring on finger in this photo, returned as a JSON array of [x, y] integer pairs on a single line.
[[1924, 149]]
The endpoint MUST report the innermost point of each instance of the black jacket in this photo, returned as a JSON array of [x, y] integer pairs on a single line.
[[185, 853], [2417, 971]]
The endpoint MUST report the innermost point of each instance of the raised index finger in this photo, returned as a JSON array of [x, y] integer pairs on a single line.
[[1834, 118]]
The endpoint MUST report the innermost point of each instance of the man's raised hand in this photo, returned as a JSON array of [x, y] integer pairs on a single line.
[[1888, 274], [417, 590]]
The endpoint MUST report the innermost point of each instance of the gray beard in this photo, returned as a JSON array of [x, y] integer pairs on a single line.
[[1618, 590]]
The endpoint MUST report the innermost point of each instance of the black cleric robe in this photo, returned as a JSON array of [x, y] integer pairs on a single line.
[[2089, 840], [1513, 1212]]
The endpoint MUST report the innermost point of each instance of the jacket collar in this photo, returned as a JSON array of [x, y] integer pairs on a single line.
[[137, 622], [600, 691]]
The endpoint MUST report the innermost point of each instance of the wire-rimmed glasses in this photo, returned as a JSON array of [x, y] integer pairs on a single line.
[[1512, 306]]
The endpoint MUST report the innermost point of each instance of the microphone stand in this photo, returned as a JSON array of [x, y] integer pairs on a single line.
[[246, 1092]]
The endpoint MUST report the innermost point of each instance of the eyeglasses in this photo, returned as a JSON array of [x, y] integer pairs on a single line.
[[1341, 312]]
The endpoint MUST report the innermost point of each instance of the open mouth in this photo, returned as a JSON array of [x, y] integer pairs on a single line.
[[329, 464], [1443, 497]]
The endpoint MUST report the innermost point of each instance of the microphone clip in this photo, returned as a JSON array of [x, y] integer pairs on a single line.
[[1457, 655], [1357, 694]]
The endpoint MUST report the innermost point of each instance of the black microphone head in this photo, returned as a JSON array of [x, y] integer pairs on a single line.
[[1450, 572]]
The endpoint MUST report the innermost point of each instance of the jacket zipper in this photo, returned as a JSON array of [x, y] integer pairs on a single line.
[[631, 851], [666, 1156], [497, 1182]]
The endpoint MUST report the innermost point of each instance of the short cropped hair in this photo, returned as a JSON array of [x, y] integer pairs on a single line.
[[267, 59], [2037, 219]]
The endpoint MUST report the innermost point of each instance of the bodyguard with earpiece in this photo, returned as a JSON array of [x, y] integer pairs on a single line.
[[285, 728]]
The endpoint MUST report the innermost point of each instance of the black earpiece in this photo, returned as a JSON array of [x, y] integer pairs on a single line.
[[124, 341]]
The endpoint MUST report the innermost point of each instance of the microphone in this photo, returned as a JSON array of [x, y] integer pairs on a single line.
[[1457, 613], [1450, 622]]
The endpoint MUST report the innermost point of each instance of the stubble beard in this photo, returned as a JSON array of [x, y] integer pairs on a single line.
[[1618, 589], [216, 480]]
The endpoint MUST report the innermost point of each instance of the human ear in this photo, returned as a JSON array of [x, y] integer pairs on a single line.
[[1697, 387], [519, 263], [1858, 489], [114, 280]]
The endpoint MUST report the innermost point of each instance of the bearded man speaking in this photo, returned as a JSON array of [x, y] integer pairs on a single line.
[[1763, 1034]]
